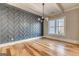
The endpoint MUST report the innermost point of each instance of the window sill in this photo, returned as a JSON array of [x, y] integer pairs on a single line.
[[56, 35]]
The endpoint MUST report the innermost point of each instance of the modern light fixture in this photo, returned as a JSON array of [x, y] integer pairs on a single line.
[[43, 16]]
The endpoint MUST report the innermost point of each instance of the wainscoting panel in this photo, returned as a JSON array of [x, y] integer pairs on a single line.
[[17, 24]]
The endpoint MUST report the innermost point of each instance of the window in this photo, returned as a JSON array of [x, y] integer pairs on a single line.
[[56, 26]]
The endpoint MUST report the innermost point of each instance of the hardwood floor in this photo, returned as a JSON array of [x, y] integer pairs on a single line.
[[41, 47]]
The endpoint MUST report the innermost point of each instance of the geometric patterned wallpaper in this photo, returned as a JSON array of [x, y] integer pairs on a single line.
[[17, 24]]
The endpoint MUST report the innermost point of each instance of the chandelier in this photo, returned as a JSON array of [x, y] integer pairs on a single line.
[[43, 16]]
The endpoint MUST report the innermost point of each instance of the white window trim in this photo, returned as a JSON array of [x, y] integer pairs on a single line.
[[64, 26]]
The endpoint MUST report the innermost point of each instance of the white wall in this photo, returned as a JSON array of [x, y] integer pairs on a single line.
[[71, 26]]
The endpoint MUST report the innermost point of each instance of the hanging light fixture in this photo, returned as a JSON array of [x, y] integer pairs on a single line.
[[43, 16], [43, 12]]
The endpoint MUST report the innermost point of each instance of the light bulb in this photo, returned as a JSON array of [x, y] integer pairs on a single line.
[[38, 19], [46, 18], [42, 17]]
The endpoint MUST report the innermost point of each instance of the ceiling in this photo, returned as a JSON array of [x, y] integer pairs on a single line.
[[50, 8]]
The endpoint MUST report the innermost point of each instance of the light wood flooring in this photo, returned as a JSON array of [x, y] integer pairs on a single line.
[[41, 47]]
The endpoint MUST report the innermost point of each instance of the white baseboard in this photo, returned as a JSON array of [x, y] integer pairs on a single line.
[[35, 38], [66, 40], [24, 40]]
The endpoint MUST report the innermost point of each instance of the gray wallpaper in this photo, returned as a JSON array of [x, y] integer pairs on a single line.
[[17, 24]]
